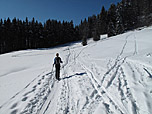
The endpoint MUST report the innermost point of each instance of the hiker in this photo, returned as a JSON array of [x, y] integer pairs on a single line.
[[57, 62]]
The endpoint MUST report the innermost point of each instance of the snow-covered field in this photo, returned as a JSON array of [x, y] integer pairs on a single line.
[[111, 76]]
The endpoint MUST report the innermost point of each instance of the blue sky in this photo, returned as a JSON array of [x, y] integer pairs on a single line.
[[42, 10]]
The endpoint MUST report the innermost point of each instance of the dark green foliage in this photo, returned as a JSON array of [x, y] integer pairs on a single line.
[[129, 15], [18, 35], [84, 41], [111, 21], [119, 20], [126, 15], [96, 35], [102, 21], [96, 30]]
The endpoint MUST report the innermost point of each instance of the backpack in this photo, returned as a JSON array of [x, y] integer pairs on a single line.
[[57, 60]]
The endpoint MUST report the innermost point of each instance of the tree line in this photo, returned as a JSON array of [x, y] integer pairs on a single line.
[[19, 35], [127, 15]]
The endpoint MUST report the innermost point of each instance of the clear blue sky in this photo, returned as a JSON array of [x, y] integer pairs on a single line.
[[43, 10]]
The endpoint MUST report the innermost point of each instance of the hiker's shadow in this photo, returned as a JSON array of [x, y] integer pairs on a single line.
[[76, 74]]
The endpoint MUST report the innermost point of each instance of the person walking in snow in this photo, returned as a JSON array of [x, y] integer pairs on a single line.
[[57, 61]]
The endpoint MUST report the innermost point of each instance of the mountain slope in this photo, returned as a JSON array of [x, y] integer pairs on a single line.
[[113, 75]]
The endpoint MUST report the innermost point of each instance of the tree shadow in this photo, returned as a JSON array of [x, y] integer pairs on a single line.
[[76, 74], [59, 45]]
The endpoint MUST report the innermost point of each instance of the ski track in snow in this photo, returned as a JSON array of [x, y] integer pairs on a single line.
[[85, 87], [33, 96]]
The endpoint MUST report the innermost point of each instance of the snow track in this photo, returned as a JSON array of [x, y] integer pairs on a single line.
[[32, 97], [93, 81]]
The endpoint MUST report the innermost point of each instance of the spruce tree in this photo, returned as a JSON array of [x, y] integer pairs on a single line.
[[111, 21], [119, 22], [96, 31], [84, 41], [103, 21], [129, 15]]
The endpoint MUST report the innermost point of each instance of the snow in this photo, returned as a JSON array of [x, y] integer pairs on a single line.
[[111, 76]]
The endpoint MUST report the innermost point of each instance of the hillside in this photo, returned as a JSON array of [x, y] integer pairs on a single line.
[[111, 76]]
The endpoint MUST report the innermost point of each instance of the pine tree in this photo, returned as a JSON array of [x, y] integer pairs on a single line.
[[84, 29], [90, 27], [1, 40], [119, 22], [84, 41], [103, 21], [111, 29], [129, 15], [1, 22], [96, 31], [112, 21]]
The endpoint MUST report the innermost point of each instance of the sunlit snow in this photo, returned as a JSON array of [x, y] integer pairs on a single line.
[[111, 76]]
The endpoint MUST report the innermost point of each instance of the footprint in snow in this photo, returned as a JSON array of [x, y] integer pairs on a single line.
[[29, 92], [13, 106], [43, 77], [25, 98], [14, 111], [34, 86], [148, 55], [39, 82]]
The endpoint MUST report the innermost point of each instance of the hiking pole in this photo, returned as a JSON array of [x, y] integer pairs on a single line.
[[52, 71], [52, 68], [63, 70]]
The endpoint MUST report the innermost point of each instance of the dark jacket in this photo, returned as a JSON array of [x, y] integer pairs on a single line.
[[57, 61]]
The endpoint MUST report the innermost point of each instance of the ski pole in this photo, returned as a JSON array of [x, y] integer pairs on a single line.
[[52, 68]]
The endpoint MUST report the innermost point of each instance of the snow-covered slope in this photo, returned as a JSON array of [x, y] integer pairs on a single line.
[[111, 76]]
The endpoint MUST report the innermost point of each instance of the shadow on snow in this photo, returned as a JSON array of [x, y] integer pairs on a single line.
[[77, 74], [150, 75]]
